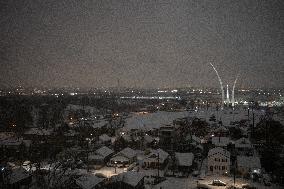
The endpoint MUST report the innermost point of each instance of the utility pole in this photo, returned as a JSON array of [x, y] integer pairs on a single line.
[[252, 129], [158, 165]]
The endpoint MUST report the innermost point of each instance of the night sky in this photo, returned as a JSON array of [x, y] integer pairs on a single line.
[[143, 43]]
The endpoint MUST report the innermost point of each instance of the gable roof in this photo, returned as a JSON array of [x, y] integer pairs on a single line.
[[159, 152], [243, 143], [88, 181], [18, 175], [184, 159], [220, 141], [128, 152], [104, 151], [219, 150], [132, 178], [104, 138]]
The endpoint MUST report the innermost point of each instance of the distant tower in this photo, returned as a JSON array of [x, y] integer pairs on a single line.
[[228, 95]]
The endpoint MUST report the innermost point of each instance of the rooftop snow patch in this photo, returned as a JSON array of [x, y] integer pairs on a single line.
[[184, 159], [104, 151], [18, 175], [128, 152], [88, 181], [132, 178]]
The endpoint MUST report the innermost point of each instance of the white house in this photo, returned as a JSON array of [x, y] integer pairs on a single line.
[[218, 160]]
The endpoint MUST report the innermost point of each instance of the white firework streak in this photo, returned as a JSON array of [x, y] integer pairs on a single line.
[[221, 85]]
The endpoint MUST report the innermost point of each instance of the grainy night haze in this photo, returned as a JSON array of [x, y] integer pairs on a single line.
[[141, 43]]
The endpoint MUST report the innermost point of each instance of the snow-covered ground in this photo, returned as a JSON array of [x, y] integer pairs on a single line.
[[155, 120], [152, 120]]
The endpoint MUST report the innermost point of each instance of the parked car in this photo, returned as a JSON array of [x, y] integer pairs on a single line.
[[218, 183]]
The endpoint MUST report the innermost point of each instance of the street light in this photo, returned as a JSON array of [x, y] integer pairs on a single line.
[[115, 166]]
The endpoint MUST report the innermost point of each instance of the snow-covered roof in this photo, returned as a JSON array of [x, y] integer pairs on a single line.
[[104, 138], [249, 162], [88, 181], [219, 150], [38, 131], [128, 152], [153, 156], [12, 142], [220, 141], [18, 175], [119, 158], [99, 124], [131, 177], [6, 135], [243, 143], [10, 139], [148, 138], [221, 129], [184, 159], [193, 138], [104, 151]]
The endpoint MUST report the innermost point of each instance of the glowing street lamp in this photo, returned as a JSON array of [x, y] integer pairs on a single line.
[[115, 166]]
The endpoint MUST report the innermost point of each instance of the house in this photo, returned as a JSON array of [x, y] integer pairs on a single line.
[[128, 180], [18, 178], [156, 159], [218, 161], [11, 145], [184, 161], [100, 156], [247, 164], [220, 141], [244, 146], [132, 180], [38, 134], [89, 182], [221, 132], [124, 158], [105, 139], [150, 141]]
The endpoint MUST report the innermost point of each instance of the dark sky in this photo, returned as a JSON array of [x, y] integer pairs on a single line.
[[141, 43]]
